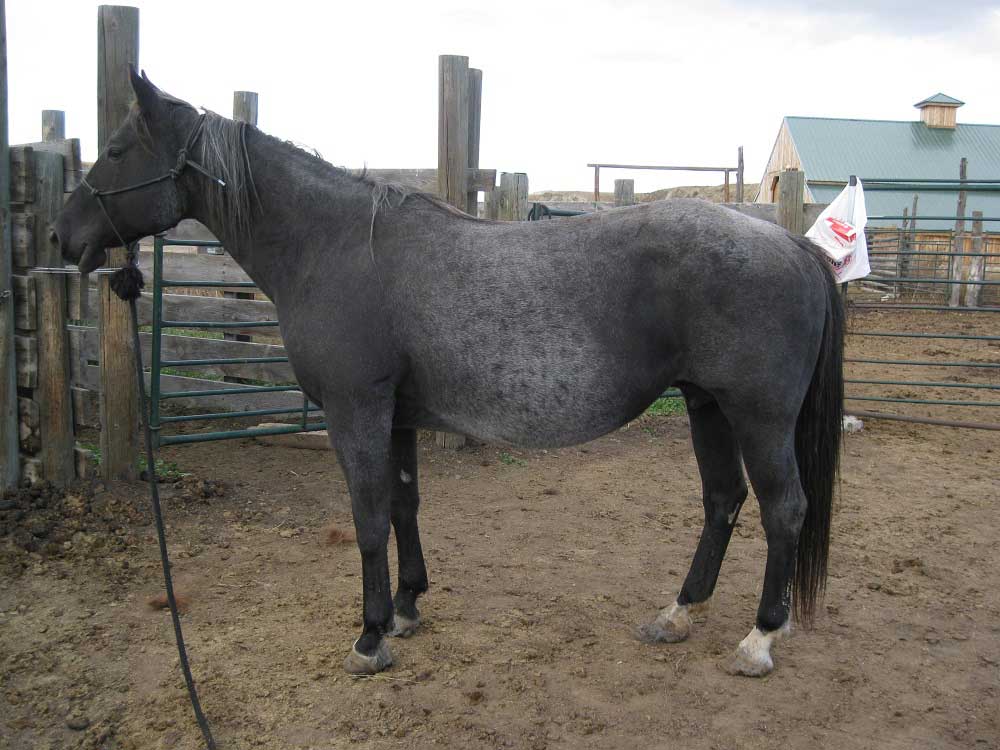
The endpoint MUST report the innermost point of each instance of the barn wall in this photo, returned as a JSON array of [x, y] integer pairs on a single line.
[[783, 156]]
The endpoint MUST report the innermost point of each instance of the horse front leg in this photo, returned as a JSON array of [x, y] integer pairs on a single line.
[[405, 504], [361, 435]]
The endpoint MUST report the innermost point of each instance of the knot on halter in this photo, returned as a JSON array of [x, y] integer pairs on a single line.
[[182, 161], [127, 281]]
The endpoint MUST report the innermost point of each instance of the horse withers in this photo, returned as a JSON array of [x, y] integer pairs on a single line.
[[399, 312]]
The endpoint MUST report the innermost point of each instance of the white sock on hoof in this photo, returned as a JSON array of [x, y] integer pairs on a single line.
[[753, 655]]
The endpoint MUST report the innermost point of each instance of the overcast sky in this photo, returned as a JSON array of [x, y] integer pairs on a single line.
[[564, 83]]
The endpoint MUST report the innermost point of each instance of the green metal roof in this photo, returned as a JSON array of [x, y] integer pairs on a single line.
[[940, 98], [831, 150]]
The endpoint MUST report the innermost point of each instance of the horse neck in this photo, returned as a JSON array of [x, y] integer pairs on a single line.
[[305, 204]]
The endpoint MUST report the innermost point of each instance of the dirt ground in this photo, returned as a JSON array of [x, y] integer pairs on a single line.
[[542, 563]]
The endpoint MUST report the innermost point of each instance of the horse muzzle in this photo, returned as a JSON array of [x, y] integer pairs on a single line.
[[87, 257]]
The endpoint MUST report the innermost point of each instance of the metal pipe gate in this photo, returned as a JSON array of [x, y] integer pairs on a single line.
[[157, 395]]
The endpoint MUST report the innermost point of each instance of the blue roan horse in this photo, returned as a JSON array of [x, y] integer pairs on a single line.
[[399, 312]]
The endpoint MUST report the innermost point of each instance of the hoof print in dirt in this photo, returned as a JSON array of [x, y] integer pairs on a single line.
[[357, 663]]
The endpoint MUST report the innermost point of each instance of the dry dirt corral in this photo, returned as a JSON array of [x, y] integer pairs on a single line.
[[541, 565]]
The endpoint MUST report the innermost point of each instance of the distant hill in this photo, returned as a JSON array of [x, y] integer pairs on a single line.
[[711, 193]]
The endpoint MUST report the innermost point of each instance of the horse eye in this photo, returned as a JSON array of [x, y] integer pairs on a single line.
[[114, 153]]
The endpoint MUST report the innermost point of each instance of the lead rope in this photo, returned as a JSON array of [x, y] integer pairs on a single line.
[[127, 283]]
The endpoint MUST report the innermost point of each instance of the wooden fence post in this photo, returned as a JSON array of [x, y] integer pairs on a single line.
[[453, 155], [739, 175], [52, 394], [117, 48], [475, 99], [453, 129], [53, 125], [791, 188], [512, 197], [244, 110], [977, 267], [957, 261], [624, 193], [10, 463]]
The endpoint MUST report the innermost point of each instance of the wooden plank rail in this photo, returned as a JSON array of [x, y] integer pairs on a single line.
[[84, 349], [205, 404], [191, 267], [194, 307]]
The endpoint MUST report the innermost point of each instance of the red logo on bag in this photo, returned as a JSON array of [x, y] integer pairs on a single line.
[[845, 233]]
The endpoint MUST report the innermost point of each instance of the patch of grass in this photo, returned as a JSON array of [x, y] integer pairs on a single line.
[[508, 460], [667, 407], [167, 471], [94, 448]]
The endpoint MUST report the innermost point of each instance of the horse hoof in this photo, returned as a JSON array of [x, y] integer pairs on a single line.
[[359, 664], [672, 625], [403, 627], [753, 656]]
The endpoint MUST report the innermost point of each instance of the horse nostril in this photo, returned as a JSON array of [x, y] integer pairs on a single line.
[[53, 237]]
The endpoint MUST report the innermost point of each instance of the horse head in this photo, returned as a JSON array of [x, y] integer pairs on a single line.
[[137, 186]]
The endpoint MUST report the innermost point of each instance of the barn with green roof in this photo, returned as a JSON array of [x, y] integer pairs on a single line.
[[830, 150]]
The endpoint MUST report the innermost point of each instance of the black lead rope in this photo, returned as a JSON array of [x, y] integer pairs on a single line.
[[127, 283]]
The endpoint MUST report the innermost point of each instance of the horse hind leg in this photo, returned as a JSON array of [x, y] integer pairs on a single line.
[[723, 491], [769, 453], [405, 504]]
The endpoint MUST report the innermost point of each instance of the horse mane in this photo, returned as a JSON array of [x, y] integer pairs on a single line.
[[222, 150]]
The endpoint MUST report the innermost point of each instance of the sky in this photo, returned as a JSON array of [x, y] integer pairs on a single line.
[[564, 83]]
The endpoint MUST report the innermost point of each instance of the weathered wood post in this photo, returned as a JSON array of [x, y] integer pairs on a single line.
[[117, 48], [244, 110], [977, 267], [739, 174], [245, 106], [512, 197], [453, 155], [52, 394], [453, 129], [791, 191], [10, 466], [53, 125], [957, 261], [624, 193], [475, 104]]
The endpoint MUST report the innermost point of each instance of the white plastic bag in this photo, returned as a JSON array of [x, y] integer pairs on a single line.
[[840, 231]]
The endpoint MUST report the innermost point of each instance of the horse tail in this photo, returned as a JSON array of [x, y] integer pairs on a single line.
[[818, 435]]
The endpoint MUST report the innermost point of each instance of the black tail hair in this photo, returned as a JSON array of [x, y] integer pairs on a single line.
[[818, 435]]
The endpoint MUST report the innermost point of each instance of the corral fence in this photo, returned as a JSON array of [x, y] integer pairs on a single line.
[[68, 391], [923, 343]]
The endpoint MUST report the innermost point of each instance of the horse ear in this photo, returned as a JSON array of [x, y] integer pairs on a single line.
[[146, 94]]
